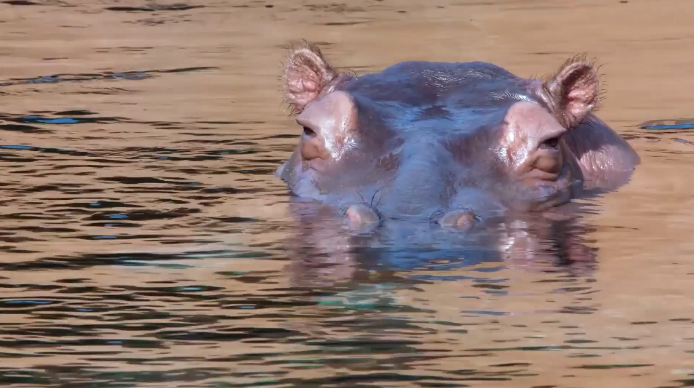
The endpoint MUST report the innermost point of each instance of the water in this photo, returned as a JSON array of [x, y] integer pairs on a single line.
[[145, 242]]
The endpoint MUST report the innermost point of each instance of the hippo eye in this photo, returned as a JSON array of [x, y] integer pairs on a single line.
[[308, 132], [550, 143]]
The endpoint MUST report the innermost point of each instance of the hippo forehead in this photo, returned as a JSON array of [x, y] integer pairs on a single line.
[[437, 98], [440, 87]]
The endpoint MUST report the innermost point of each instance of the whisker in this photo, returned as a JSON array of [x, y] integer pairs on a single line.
[[360, 196], [372, 198]]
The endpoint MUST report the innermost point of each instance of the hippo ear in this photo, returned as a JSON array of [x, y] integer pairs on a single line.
[[306, 73], [574, 90]]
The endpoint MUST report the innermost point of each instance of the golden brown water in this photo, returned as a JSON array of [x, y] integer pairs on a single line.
[[145, 242]]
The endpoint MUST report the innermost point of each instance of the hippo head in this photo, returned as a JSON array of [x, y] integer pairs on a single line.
[[453, 143]]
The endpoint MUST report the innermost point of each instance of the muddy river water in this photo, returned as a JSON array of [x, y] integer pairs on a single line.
[[145, 243]]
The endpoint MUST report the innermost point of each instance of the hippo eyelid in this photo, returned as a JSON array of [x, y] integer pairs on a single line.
[[306, 123]]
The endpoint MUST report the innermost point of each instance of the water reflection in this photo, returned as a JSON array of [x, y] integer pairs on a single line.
[[325, 252], [358, 309]]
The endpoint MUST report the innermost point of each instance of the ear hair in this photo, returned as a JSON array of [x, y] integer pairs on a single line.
[[306, 73], [574, 89]]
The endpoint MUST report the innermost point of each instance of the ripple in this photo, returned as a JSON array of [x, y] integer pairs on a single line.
[[155, 7], [132, 75]]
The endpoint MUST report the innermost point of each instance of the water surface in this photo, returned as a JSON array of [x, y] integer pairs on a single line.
[[145, 242]]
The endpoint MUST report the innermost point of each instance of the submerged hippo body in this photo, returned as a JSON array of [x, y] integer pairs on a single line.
[[454, 143]]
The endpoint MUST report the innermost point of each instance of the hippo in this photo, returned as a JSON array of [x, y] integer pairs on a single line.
[[449, 143]]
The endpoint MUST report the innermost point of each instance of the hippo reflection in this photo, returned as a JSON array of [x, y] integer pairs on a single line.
[[323, 252], [452, 143]]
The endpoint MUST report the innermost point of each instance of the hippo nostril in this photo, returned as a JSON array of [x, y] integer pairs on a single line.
[[459, 219], [361, 214]]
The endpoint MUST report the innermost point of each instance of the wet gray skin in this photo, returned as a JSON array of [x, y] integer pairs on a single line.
[[452, 143]]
